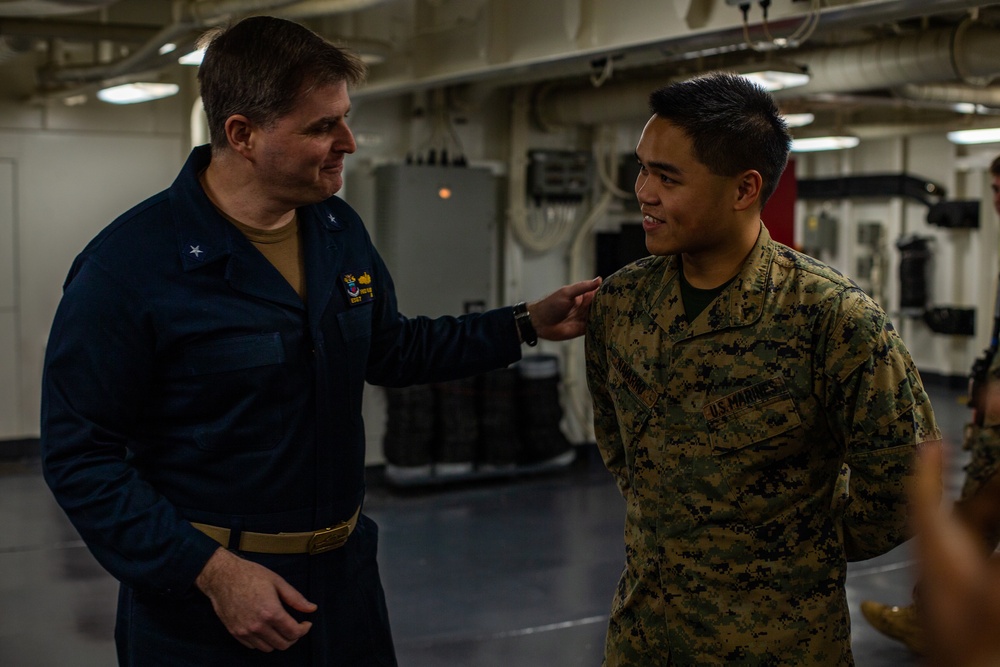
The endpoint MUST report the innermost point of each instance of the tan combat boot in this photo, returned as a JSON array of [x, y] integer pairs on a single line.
[[900, 623]]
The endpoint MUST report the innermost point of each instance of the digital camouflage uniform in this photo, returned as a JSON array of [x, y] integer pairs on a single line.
[[730, 439], [983, 442]]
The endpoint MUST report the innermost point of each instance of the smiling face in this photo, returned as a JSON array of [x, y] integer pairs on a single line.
[[300, 158], [686, 208]]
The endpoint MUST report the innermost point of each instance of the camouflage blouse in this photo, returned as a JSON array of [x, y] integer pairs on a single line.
[[759, 448]]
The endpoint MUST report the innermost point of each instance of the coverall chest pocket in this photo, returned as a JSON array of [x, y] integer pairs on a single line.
[[236, 385], [755, 440], [356, 324]]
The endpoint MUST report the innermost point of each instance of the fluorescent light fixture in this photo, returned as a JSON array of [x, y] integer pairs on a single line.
[[371, 58], [193, 58], [169, 47], [778, 78], [131, 93], [810, 144], [986, 135], [798, 119]]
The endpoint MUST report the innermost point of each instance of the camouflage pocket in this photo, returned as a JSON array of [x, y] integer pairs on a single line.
[[753, 435]]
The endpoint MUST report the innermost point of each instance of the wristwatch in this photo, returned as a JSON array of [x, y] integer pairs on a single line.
[[523, 321]]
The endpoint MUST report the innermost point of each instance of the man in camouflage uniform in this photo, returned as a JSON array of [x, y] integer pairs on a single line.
[[978, 506], [757, 410]]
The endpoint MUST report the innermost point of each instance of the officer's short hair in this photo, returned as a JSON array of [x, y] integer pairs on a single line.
[[259, 67], [734, 125]]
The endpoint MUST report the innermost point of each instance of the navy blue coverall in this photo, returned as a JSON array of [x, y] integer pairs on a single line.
[[185, 380]]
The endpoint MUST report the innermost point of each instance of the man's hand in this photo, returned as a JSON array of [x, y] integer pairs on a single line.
[[959, 586], [250, 599], [563, 314]]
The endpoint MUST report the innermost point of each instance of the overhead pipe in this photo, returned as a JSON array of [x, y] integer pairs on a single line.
[[966, 53], [136, 61], [688, 47], [74, 30], [193, 16], [951, 93]]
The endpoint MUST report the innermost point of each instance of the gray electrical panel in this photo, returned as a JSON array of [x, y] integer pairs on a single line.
[[436, 228]]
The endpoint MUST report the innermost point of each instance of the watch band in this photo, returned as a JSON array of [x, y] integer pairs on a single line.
[[524, 328]]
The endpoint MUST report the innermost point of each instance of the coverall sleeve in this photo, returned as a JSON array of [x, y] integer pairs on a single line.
[[878, 405], [96, 379], [420, 349], [606, 427]]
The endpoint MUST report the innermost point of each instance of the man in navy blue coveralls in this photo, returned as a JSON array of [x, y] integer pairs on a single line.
[[202, 394]]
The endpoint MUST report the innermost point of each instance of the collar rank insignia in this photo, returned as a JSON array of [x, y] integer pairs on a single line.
[[358, 288]]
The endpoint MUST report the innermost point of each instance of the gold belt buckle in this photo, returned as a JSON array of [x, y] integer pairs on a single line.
[[329, 539]]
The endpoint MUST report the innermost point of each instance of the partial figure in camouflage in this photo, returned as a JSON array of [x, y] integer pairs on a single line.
[[758, 411], [978, 506]]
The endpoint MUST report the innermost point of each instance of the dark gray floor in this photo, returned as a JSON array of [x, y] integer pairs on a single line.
[[516, 572]]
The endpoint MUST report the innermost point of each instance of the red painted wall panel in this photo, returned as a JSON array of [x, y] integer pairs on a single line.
[[779, 213]]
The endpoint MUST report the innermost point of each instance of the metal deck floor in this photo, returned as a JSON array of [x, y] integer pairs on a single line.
[[496, 573]]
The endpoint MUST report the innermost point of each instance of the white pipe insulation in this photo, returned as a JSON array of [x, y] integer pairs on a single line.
[[967, 53]]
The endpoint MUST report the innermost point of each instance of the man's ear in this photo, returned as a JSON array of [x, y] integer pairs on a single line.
[[748, 186], [239, 134]]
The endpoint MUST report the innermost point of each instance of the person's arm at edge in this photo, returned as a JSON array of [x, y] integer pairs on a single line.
[[606, 430], [884, 414], [563, 314]]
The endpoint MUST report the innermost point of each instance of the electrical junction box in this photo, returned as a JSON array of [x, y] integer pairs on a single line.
[[437, 232], [558, 175], [819, 233]]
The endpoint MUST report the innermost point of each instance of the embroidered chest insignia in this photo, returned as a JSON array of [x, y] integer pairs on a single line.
[[358, 288]]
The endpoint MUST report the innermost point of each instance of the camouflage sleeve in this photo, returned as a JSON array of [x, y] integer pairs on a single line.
[[606, 429], [982, 441], [876, 402]]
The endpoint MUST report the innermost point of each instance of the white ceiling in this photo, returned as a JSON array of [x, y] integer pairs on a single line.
[[877, 66]]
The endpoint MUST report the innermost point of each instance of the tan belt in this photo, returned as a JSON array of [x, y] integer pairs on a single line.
[[310, 542]]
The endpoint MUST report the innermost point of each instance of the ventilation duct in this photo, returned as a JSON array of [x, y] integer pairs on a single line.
[[967, 53], [955, 93]]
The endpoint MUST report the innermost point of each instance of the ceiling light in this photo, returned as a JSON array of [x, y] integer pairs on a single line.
[[987, 135], [131, 93], [798, 119], [370, 58], [810, 144], [169, 47], [193, 58], [776, 76]]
